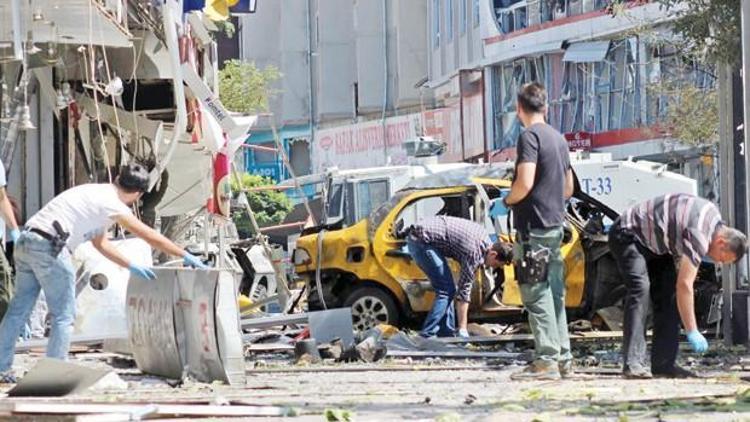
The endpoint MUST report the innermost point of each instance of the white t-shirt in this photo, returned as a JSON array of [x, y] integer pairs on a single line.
[[84, 211]]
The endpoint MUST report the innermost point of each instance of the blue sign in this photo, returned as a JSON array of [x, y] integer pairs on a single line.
[[244, 6]]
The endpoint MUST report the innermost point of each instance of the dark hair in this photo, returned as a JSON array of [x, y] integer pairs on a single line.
[[504, 251], [736, 241], [532, 97], [133, 178]]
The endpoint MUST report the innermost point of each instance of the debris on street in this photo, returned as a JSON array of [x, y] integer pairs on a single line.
[[472, 210]]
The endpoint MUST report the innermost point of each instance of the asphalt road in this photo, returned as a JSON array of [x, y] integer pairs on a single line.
[[443, 390]]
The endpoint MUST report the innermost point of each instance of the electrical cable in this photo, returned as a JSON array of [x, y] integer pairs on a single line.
[[96, 99]]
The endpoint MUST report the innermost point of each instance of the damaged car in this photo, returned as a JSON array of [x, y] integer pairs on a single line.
[[368, 268]]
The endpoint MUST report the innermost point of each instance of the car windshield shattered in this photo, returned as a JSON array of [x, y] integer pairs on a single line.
[[379, 214]]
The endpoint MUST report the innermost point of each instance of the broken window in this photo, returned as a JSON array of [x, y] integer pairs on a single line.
[[453, 206], [511, 15], [597, 89], [370, 193], [511, 77], [435, 23], [667, 71]]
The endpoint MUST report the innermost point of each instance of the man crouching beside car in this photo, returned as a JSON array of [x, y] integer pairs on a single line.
[[431, 242]]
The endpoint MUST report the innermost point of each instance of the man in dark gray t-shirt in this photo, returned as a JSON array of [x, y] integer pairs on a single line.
[[544, 206], [542, 182]]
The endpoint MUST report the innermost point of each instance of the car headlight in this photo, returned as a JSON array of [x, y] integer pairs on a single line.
[[301, 257]]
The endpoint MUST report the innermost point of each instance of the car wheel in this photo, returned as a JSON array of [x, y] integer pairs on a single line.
[[371, 306]]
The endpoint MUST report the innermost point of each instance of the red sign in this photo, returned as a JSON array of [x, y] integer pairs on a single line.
[[578, 141]]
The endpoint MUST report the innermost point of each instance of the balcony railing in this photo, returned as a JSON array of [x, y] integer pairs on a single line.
[[515, 15]]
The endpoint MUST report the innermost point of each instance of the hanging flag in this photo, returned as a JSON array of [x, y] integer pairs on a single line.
[[218, 10]]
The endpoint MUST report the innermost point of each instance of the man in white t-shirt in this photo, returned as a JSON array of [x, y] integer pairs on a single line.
[[42, 255], [9, 221]]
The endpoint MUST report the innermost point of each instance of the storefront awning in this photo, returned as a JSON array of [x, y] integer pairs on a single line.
[[586, 52], [266, 136]]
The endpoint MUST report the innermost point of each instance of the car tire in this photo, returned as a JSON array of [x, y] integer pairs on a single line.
[[371, 306]]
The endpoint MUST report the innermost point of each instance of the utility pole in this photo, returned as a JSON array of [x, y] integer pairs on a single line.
[[746, 97], [739, 305], [726, 188]]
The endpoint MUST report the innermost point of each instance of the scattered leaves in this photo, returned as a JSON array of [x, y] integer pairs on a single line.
[[338, 415]]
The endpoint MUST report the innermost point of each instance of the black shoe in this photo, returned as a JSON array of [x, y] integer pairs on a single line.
[[636, 374], [675, 372]]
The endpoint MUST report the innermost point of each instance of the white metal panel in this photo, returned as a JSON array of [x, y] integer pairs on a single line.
[[189, 181], [586, 52], [622, 184]]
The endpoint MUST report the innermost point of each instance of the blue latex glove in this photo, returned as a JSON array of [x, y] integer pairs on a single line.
[[498, 207], [14, 235], [697, 341], [193, 261], [143, 272]]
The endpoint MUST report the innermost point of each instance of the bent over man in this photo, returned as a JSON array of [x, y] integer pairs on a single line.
[[42, 255], [543, 181], [431, 241], [658, 246]]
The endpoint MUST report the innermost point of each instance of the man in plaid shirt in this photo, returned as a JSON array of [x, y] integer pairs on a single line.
[[431, 242]]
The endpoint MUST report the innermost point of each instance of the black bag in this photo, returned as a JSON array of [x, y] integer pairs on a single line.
[[534, 265]]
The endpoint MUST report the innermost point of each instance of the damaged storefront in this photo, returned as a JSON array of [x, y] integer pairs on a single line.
[[609, 96]]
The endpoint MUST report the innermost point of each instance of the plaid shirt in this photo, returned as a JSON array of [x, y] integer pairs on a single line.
[[463, 240]]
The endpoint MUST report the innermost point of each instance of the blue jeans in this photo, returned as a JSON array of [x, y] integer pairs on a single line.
[[37, 268], [441, 320]]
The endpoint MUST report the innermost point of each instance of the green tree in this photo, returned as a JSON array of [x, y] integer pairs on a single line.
[[269, 206], [691, 115], [704, 33], [711, 27], [244, 88]]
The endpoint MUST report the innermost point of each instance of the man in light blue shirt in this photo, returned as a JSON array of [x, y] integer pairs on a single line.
[[9, 221]]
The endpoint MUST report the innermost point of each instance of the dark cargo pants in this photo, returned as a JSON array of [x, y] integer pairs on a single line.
[[649, 278]]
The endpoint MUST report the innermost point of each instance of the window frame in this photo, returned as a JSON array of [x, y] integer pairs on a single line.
[[449, 21], [463, 16], [436, 23], [475, 13]]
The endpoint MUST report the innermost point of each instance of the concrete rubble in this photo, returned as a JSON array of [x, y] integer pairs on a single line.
[[391, 374]]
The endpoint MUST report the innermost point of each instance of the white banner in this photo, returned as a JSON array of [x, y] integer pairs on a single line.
[[369, 144]]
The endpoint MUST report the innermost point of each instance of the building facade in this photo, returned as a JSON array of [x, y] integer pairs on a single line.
[[606, 65], [344, 62]]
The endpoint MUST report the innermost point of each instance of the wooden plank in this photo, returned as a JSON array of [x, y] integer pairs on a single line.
[[140, 410], [76, 340], [376, 368], [507, 338], [458, 354]]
